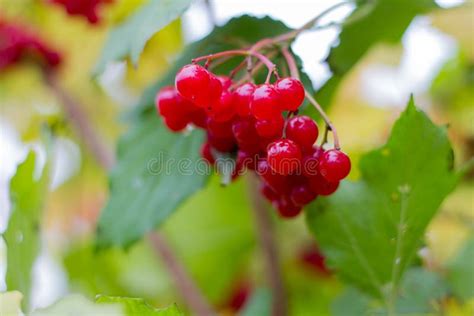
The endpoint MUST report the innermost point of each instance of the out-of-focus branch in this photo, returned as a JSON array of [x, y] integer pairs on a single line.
[[264, 228], [189, 291]]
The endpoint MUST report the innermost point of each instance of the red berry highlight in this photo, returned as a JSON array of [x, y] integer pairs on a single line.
[[303, 131], [335, 165], [284, 156], [291, 92]]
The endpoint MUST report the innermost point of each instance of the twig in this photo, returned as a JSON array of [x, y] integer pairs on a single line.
[[326, 119], [290, 60], [189, 291], [185, 285], [81, 122], [267, 243]]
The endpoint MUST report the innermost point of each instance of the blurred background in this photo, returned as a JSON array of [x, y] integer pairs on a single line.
[[435, 62]]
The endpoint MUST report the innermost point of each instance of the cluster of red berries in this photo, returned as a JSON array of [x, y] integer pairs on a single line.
[[18, 45], [87, 8], [247, 121]]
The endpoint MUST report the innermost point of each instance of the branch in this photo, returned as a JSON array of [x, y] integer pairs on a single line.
[[267, 243], [189, 291]]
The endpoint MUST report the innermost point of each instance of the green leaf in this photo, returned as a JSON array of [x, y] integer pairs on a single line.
[[140, 201], [10, 303], [370, 23], [130, 37], [22, 237], [138, 306], [76, 304], [418, 290], [151, 179], [259, 304], [351, 302], [371, 229], [460, 272]]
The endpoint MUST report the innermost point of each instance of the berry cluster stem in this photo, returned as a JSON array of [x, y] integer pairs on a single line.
[[326, 119]]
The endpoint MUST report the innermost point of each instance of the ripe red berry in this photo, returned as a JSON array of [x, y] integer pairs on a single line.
[[225, 81], [310, 161], [206, 153], [220, 129], [268, 192], [176, 123], [265, 102], [276, 181], [170, 103], [291, 92], [223, 109], [242, 98], [222, 144], [199, 118], [197, 85], [321, 186], [302, 130], [284, 156], [286, 208], [334, 165], [302, 194], [270, 128], [246, 135]]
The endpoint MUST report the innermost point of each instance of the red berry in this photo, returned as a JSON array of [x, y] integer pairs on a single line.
[[206, 153], [302, 130], [286, 208], [268, 192], [246, 135], [176, 123], [276, 181], [265, 102], [223, 109], [302, 194], [291, 92], [321, 186], [170, 103], [334, 165], [220, 129], [225, 81], [242, 98], [197, 85], [221, 144], [310, 162], [284, 156], [271, 127], [199, 118]]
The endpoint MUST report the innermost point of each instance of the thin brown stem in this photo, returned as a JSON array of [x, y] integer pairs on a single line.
[[189, 291], [265, 234], [290, 61], [325, 118], [80, 121]]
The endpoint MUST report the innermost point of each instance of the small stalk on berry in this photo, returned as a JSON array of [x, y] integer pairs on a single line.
[[326, 119]]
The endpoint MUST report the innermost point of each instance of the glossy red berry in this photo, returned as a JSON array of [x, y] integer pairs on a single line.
[[286, 208], [310, 161], [222, 144], [265, 102], [291, 92], [206, 153], [197, 85], [302, 130], [270, 128], [223, 109], [219, 129], [276, 181], [170, 103], [302, 194], [199, 118], [242, 98], [268, 192], [334, 165], [284, 156], [225, 81], [176, 123], [321, 186]]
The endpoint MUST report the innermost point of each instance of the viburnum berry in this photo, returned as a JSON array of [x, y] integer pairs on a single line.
[[197, 85], [276, 181], [310, 161], [302, 130], [334, 165], [176, 123], [291, 93], [265, 102], [286, 208], [206, 153], [270, 127], [86, 8], [222, 144], [284, 156], [302, 194], [268, 192], [223, 108], [242, 97], [321, 186], [222, 129]]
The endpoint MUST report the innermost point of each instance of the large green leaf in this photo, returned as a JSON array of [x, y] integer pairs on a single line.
[[371, 229], [22, 237], [371, 22], [130, 37], [461, 271], [139, 200]]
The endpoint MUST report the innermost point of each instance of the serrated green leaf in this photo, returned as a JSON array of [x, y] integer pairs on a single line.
[[372, 22], [140, 201], [130, 37], [22, 237], [460, 272], [371, 229], [138, 306]]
